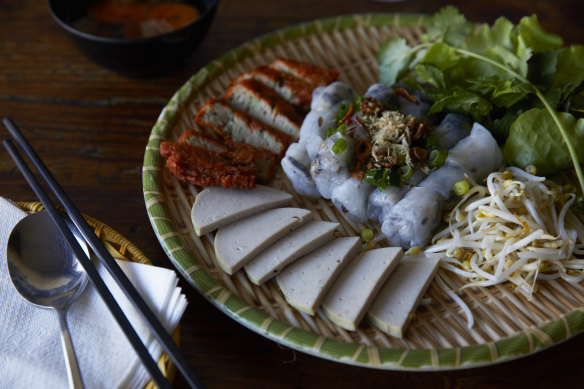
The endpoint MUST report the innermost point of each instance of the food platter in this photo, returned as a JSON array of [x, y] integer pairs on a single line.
[[506, 324]]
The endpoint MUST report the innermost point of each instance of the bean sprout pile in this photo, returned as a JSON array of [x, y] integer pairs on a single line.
[[518, 228]]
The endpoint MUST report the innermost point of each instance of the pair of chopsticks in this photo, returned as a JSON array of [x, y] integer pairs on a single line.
[[105, 257]]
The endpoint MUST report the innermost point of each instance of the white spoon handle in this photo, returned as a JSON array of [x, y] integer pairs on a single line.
[[73, 373]]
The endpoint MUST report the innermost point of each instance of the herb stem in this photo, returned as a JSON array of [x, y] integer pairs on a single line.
[[548, 107]]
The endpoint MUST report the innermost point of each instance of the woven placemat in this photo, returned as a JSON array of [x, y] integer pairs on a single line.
[[121, 249], [506, 324]]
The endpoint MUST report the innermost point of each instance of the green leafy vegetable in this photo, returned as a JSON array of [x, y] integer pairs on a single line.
[[543, 148], [517, 80]]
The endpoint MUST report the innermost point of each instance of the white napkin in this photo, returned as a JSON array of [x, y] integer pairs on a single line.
[[31, 355]]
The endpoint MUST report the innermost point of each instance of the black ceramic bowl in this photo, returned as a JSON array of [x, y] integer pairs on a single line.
[[141, 57]]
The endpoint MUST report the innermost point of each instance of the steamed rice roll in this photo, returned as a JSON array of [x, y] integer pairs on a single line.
[[479, 154], [296, 165], [442, 180], [325, 98], [331, 166], [317, 123], [413, 219], [380, 202], [452, 129], [380, 92], [351, 198]]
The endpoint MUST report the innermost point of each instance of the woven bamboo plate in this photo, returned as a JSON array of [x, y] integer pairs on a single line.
[[507, 326], [122, 249]]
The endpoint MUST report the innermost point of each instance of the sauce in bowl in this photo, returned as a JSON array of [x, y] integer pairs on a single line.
[[135, 19]]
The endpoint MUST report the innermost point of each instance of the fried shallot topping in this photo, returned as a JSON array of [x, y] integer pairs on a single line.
[[392, 133]]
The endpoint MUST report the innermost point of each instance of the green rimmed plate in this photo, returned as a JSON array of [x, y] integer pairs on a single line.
[[506, 325]]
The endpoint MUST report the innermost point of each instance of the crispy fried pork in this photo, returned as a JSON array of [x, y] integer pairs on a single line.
[[293, 89], [307, 71], [199, 166], [242, 128]]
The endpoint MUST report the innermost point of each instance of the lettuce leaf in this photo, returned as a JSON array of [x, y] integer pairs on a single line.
[[534, 140]]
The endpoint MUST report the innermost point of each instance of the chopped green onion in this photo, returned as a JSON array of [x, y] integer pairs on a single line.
[[342, 129], [405, 171], [382, 178], [414, 250], [367, 235], [374, 176], [391, 176], [356, 104], [461, 188], [432, 142], [343, 109], [340, 146], [437, 158]]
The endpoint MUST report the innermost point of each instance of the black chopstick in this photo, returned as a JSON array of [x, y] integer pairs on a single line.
[[92, 272], [110, 264]]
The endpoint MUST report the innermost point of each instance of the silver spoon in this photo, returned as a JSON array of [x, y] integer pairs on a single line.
[[45, 272]]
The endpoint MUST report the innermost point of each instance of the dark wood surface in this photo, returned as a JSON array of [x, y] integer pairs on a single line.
[[91, 127]]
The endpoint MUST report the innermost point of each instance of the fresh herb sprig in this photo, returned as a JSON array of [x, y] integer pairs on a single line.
[[519, 81]]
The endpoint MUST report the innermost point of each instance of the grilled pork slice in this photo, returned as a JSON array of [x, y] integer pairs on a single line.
[[264, 160], [293, 89], [239, 127], [204, 167], [264, 104], [307, 71]]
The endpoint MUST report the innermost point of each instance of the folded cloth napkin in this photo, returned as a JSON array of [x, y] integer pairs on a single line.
[[30, 345]]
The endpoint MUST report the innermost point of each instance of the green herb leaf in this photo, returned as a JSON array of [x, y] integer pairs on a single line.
[[458, 99], [448, 25], [395, 59], [535, 37], [542, 68], [544, 148], [484, 37], [569, 70], [431, 74], [509, 92], [577, 105]]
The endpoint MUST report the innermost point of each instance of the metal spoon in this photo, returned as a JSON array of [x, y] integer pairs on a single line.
[[46, 273]]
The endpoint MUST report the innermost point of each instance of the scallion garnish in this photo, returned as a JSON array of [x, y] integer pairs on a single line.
[[461, 188], [340, 146], [437, 158]]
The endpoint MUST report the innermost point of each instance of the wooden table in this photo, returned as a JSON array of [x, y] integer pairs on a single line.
[[91, 127]]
